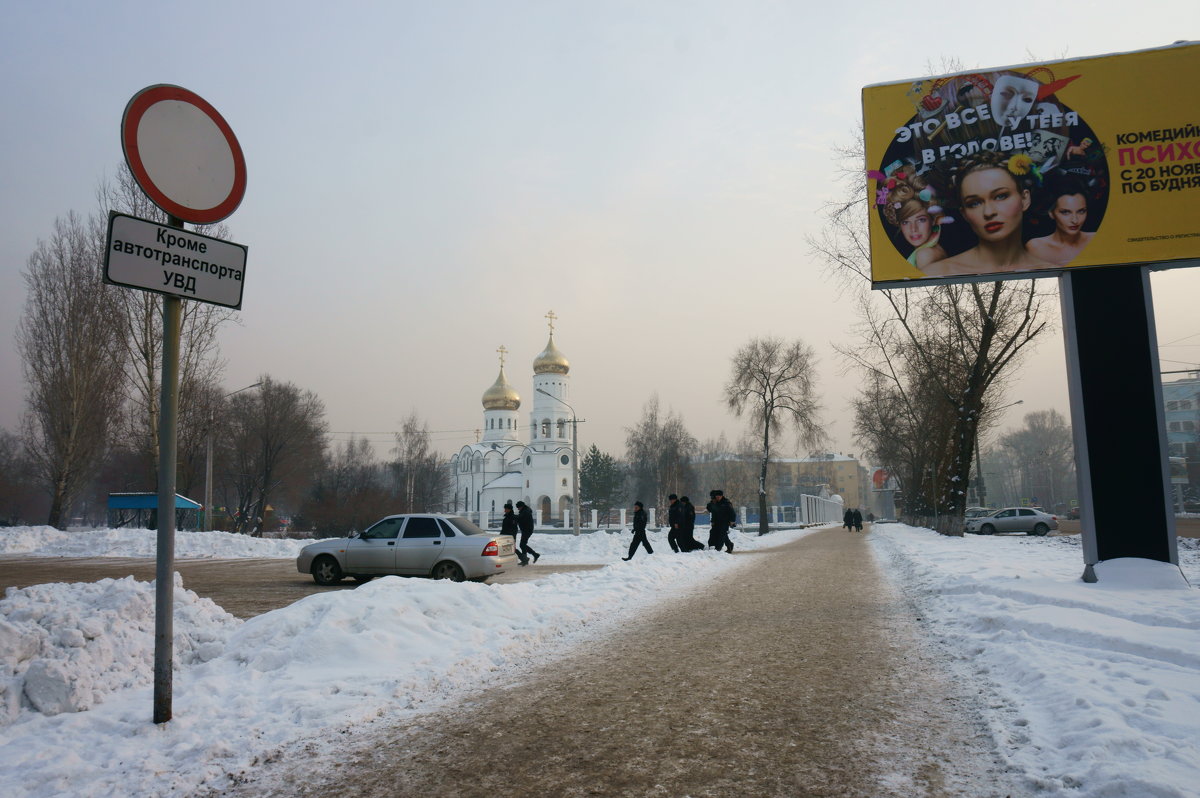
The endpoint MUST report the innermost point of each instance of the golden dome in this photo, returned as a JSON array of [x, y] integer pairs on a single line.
[[551, 361], [501, 396]]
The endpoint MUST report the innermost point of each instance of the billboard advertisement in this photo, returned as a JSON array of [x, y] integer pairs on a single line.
[[1025, 171]]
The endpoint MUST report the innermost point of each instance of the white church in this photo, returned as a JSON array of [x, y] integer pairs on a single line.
[[500, 467]]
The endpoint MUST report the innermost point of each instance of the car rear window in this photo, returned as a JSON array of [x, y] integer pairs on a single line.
[[422, 528], [465, 526]]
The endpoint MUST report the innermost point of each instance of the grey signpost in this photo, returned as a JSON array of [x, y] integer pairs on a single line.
[[185, 157]]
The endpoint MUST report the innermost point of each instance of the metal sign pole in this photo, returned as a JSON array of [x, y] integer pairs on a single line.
[[164, 586]]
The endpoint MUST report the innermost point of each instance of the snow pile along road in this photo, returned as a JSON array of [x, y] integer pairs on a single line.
[[64, 648], [1090, 689], [46, 541]]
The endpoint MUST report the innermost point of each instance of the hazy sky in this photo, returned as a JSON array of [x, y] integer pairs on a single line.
[[427, 180]]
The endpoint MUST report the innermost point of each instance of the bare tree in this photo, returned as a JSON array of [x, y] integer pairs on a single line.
[[276, 438], [1044, 453], [658, 450], [774, 383], [350, 491], [70, 348], [956, 339], [422, 480], [200, 364]]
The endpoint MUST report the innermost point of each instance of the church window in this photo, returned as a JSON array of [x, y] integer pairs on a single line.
[[562, 428], [564, 459], [564, 482], [545, 428]]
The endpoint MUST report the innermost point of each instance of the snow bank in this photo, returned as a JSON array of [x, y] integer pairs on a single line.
[[46, 541], [64, 648], [1089, 689]]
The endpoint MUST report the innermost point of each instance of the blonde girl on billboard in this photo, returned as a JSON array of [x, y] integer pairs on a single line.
[[990, 191], [909, 207], [1069, 212]]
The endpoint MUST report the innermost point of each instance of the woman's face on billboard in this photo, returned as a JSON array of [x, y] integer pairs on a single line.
[[1012, 97], [916, 228], [993, 204], [1069, 213]]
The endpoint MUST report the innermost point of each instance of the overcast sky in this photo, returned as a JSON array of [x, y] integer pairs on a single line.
[[427, 180]]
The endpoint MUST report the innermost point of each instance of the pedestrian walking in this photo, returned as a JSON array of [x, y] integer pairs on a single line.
[[675, 520], [721, 517], [639, 531], [525, 522], [857, 520], [687, 536], [848, 519], [508, 526]]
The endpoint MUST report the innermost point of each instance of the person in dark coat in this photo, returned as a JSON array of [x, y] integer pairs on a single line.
[[721, 517], [525, 522], [675, 520], [848, 519], [856, 519], [687, 536], [508, 526], [639, 531]]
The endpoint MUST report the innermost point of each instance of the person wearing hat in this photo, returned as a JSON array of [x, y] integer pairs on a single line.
[[721, 517], [639, 531], [675, 519], [508, 526], [525, 522]]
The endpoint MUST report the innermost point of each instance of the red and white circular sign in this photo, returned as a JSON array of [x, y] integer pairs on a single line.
[[183, 154]]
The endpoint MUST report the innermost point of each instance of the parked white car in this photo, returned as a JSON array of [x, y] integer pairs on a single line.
[[1013, 519], [437, 546]]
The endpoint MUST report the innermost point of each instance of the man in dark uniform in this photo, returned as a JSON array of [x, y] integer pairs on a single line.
[[639, 531], [721, 517], [508, 526], [687, 537], [675, 519], [525, 522]]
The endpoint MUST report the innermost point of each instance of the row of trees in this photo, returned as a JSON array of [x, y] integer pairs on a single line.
[[92, 358]]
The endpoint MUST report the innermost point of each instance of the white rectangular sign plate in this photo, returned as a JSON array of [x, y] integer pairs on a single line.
[[168, 260]]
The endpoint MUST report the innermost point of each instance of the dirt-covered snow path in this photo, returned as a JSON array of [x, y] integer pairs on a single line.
[[798, 674]]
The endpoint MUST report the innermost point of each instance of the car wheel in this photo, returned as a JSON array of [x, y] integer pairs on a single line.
[[326, 571], [1040, 530], [448, 570], [987, 529]]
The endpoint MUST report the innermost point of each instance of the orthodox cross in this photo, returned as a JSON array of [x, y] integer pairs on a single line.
[[552, 317], [503, 351]]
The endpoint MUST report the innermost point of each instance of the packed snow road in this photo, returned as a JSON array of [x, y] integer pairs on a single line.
[[796, 674]]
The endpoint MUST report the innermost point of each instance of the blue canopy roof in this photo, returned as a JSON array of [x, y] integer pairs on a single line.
[[147, 501]]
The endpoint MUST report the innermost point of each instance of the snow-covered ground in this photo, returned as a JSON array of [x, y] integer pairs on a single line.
[[1090, 690]]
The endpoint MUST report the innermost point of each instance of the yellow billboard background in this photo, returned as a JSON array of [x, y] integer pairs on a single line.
[[1125, 126]]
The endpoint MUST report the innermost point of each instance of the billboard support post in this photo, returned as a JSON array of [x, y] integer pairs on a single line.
[[1117, 415]]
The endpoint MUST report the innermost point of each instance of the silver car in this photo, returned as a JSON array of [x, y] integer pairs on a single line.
[[438, 546], [1013, 519]]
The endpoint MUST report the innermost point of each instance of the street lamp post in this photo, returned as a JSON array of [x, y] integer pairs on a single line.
[[574, 460], [209, 461]]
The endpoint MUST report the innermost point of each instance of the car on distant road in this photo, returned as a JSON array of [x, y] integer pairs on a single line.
[[1013, 519], [437, 546]]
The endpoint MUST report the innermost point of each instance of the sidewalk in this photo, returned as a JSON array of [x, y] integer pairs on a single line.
[[797, 675]]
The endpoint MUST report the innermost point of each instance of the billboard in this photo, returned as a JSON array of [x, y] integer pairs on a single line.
[[1025, 171]]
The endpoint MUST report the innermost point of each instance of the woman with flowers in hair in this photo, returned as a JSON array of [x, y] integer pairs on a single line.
[[908, 206], [990, 191]]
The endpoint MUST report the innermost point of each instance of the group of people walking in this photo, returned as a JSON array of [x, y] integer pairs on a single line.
[[521, 521], [852, 520], [681, 517]]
